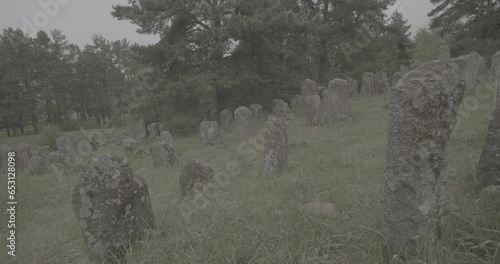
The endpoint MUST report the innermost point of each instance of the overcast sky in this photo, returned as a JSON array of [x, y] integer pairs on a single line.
[[80, 19]]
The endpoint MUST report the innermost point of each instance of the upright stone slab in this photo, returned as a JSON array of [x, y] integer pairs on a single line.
[[167, 138], [367, 85], [209, 133], [142, 131], [195, 175], [337, 102], [23, 155], [381, 82], [495, 65], [488, 168], [275, 145], [296, 102], [129, 145], [66, 144], [282, 110], [94, 142], [256, 110], [112, 205], [155, 130], [396, 77], [312, 110], [473, 68], [225, 117], [163, 154], [244, 122], [352, 87], [423, 112], [443, 53], [308, 88]]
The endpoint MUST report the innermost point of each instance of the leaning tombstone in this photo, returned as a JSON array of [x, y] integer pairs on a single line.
[[209, 133], [312, 110], [112, 206], [244, 122], [275, 145], [195, 175], [94, 142], [423, 112]]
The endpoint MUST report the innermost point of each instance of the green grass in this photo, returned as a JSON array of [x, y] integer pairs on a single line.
[[258, 220]]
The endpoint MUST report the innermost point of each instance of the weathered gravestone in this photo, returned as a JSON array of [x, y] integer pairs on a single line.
[[167, 138], [352, 87], [225, 117], [312, 110], [473, 68], [443, 53], [23, 155], [423, 112], [37, 165], [488, 168], [163, 154], [282, 110], [256, 110], [308, 88], [337, 102], [195, 175], [209, 133], [129, 145], [381, 83], [367, 85], [66, 144], [112, 205], [275, 145], [155, 130], [141, 130], [244, 122]]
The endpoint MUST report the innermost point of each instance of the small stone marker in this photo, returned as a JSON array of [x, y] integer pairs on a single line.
[[308, 88], [194, 175], [381, 82], [275, 145], [282, 110], [256, 110], [209, 133], [312, 110], [423, 112], [163, 154], [112, 205], [225, 117], [337, 102], [244, 122], [367, 85]]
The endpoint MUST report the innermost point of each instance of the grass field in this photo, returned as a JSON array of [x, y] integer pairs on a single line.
[[252, 219]]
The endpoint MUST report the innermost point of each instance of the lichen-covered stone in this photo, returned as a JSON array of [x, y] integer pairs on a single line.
[[61, 160], [84, 149], [381, 82], [209, 133], [337, 103], [396, 77], [473, 67], [352, 87], [312, 110], [244, 122], [163, 154], [155, 130], [423, 112], [195, 175], [367, 85], [167, 138], [275, 145], [66, 144], [308, 88], [256, 110], [129, 145], [112, 205], [282, 110], [225, 117], [142, 131], [23, 155]]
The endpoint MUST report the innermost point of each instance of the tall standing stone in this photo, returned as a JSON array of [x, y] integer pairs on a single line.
[[209, 133], [23, 155], [256, 110], [443, 53], [367, 85], [167, 138], [488, 168], [225, 117], [308, 88], [282, 110], [423, 112], [275, 145], [312, 110], [163, 154], [353, 87], [381, 82], [473, 68], [155, 130], [337, 102], [112, 205], [142, 130], [194, 175], [66, 144], [495, 65], [244, 122]]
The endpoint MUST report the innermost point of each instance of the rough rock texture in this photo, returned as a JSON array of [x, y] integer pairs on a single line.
[[488, 168], [312, 110], [495, 65], [296, 102], [121, 136], [367, 85], [225, 117], [167, 138], [60, 160], [94, 142], [423, 112], [473, 68], [415, 65], [44, 151], [112, 205], [37, 164], [443, 53], [381, 83], [194, 175], [256, 110], [209, 133], [404, 69], [142, 131], [155, 130], [282, 110], [275, 145], [352, 86], [396, 77], [23, 155], [163, 154], [129, 145], [308, 88], [4, 151], [244, 122], [84, 149], [66, 144], [337, 102]]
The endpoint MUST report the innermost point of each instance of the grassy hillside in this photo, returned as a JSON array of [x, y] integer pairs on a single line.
[[258, 220]]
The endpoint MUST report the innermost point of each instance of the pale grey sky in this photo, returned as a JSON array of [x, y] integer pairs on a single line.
[[80, 19]]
